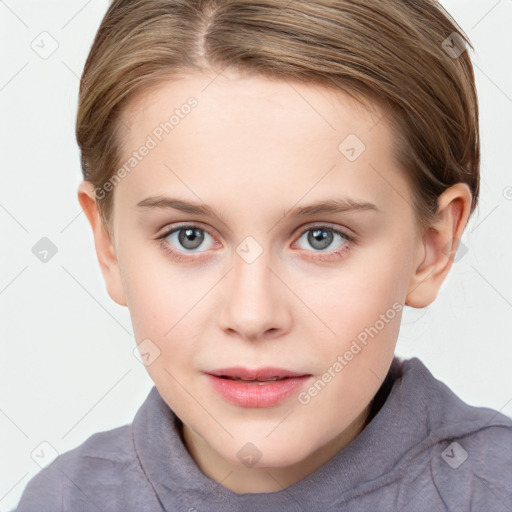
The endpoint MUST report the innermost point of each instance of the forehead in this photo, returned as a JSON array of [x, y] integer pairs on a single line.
[[253, 102], [272, 138]]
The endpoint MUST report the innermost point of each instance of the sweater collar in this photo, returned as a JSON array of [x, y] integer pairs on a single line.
[[403, 421]]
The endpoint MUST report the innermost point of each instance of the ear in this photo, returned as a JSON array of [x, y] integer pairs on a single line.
[[105, 250], [439, 245]]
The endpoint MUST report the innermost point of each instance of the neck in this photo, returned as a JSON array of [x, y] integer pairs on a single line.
[[240, 479]]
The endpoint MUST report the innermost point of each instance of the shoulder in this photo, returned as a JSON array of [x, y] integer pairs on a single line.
[[470, 450], [82, 478], [475, 470]]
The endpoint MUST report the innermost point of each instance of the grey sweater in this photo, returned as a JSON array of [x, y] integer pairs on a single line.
[[424, 450]]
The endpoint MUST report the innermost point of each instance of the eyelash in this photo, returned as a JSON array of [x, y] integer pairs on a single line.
[[183, 256]]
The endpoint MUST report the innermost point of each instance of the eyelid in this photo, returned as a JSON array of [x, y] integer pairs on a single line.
[[168, 230], [299, 231], [344, 232]]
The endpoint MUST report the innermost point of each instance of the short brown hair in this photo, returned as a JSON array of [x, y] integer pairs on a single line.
[[408, 56]]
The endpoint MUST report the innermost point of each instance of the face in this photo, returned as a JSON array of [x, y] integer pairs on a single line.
[[261, 278]]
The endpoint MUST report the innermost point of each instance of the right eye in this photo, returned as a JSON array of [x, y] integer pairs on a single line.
[[185, 239]]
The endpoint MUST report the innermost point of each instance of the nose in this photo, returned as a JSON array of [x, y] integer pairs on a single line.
[[255, 300]]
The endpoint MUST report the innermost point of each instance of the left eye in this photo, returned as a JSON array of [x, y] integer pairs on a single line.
[[322, 237]]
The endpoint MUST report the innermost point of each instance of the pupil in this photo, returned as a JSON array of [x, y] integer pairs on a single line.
[[190, 238], [320, 235]]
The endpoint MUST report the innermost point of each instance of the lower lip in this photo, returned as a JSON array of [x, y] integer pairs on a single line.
[[251, 394]]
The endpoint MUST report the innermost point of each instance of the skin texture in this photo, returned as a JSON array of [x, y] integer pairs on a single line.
[[253, 149]]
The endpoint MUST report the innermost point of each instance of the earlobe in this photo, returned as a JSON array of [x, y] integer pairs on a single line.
[[105, 250], [439, 245]]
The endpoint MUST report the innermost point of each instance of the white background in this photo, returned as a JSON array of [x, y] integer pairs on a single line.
[[66, 366]]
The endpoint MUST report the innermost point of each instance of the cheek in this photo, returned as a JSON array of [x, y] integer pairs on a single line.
[[155, 288], [361, 292], [382, 274], [166, 304], [363, 305], [366, 326]]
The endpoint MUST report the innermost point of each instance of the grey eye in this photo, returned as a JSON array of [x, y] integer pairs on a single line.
[[189, 238], [322, 238]]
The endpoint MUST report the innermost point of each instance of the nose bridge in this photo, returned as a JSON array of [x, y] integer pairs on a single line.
[[251, 274], [254, 304], [251, 270]]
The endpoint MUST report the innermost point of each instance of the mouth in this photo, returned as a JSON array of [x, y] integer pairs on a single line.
[[262, 387], [261, 382], [266, 374]]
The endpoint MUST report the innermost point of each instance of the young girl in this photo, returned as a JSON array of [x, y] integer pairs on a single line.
[[269, 184]]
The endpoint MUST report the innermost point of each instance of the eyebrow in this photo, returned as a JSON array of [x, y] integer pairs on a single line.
[[334, 205]]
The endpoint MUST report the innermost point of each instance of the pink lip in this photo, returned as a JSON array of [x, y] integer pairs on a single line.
[[250, 392]]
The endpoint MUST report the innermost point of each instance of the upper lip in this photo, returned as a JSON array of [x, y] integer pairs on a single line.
[[267, 372]]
